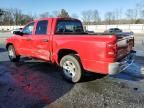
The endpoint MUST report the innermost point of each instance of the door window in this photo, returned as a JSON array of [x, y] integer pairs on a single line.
[[28, 29], [41, 28]]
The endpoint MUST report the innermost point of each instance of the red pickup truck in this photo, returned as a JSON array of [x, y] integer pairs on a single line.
[[63, 41]]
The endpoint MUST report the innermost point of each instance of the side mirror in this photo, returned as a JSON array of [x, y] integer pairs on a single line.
[[18, 33]]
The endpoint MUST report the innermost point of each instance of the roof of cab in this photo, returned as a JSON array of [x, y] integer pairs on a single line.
[[56, 18]]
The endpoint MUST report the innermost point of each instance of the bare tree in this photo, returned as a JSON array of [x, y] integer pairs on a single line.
[[7, 18], [109, 17], [1, 12], [45, 15], [14, 17], [55, 13], [95, 17], [142, 14], [63, 14], [131, 14], [87, 16], [117, 15], [141, 9], [74, 16], [17, 15]]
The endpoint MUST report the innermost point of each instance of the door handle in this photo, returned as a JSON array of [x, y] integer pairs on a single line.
[[28, 39], [45, 40]]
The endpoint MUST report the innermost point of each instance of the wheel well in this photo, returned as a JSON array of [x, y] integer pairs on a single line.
[[64, 52], [8, 45]]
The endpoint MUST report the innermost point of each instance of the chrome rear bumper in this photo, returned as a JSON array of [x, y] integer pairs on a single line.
[[123, 64]]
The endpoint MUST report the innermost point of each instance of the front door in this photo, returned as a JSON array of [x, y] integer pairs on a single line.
[[24, 43]]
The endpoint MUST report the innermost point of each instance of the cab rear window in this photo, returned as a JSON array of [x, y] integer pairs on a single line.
[[69, 26]]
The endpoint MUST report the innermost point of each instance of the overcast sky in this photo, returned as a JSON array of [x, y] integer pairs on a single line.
[[72, 6]]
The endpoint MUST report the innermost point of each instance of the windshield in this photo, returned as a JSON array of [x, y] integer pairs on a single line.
[[69, 26]]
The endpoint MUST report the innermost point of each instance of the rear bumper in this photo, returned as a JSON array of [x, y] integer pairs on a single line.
[[120, 66]]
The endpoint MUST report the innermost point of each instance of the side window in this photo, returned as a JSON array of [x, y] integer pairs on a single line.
[[28, 29], [60, 27], [41, 27]]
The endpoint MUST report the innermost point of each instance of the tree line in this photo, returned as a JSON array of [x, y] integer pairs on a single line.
[[133, 15], [17, 17], [14, 17], [118, 16]]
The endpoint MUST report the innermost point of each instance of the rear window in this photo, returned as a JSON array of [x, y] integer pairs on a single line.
[[69, 26], [41, 28], [117, 29]]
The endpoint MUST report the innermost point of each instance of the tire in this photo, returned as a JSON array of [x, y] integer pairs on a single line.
[[12, 54], [72, 68]]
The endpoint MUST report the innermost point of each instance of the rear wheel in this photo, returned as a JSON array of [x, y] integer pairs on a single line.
[[72, 69], [12, 54]]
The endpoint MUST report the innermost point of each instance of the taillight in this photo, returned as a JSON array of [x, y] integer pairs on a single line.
[[111, 50]]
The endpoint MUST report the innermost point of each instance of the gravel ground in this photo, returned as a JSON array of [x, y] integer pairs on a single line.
[[35, 84]]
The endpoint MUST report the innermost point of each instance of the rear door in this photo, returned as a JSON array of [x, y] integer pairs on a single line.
[[41, 41]]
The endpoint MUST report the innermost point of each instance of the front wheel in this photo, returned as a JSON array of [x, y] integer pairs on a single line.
[[12, 54], [72, 69]]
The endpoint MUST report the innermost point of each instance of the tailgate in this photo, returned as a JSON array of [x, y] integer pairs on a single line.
[[125, 43]]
